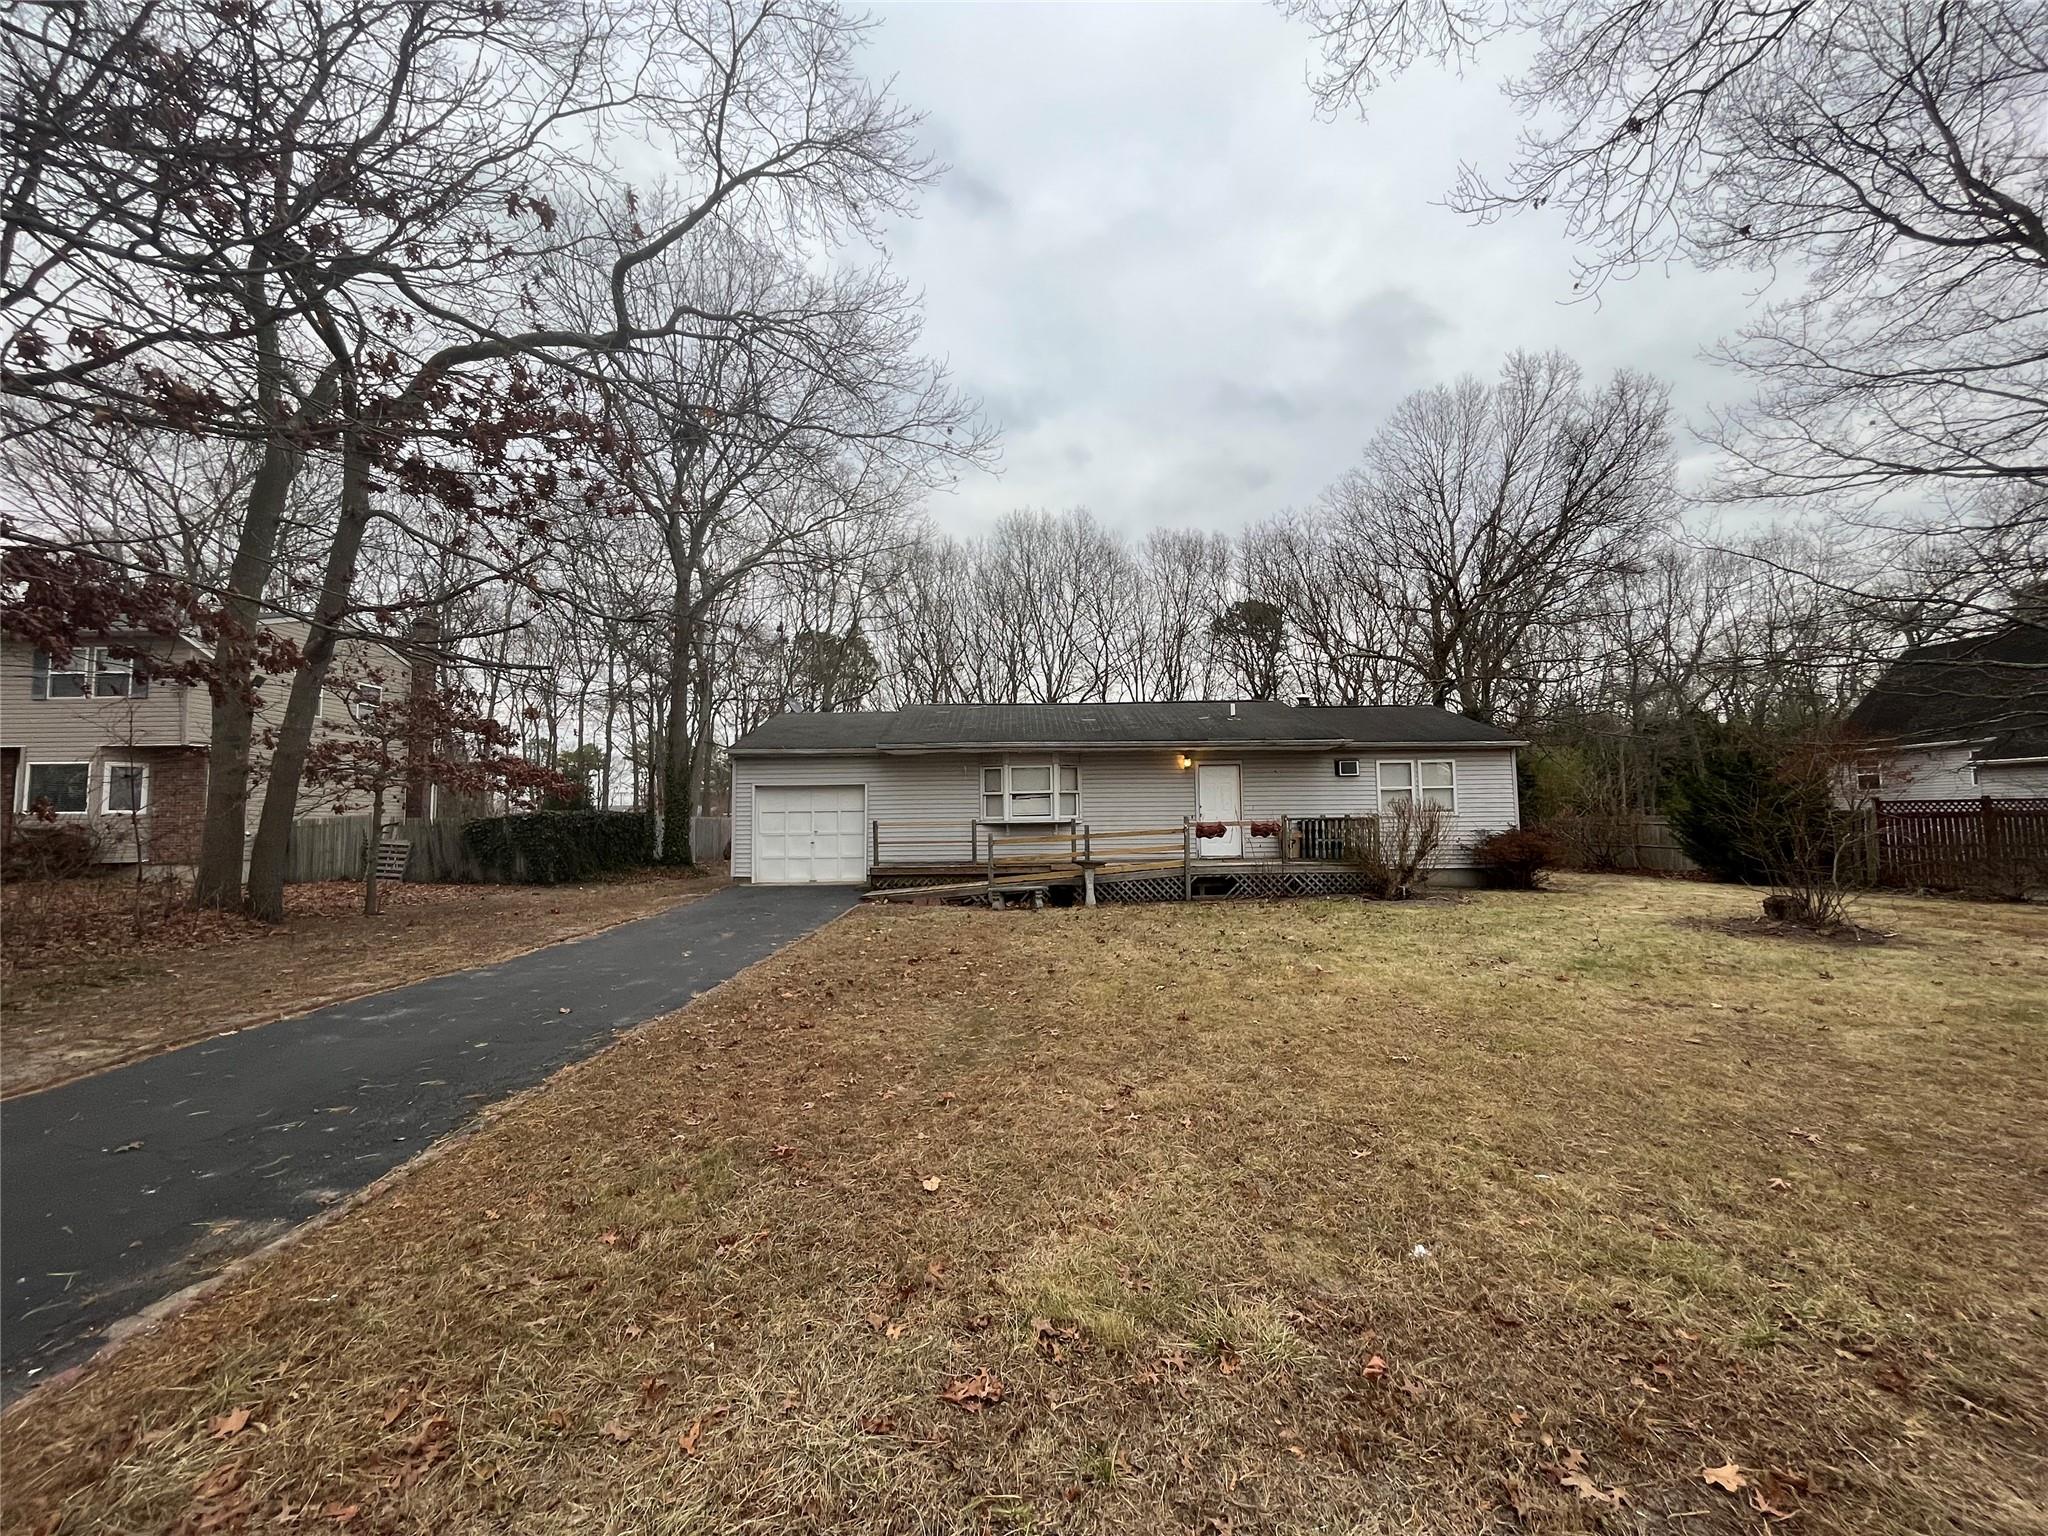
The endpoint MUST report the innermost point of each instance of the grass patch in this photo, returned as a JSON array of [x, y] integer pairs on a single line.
[[1142, 1190]]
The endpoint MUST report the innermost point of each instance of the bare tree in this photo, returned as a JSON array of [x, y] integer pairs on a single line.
[[1487, 518]]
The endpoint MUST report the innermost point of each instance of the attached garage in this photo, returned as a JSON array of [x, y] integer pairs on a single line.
[[810, 834]]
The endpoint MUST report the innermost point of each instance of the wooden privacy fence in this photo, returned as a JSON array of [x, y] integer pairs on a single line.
[[331, 848], [1626, 841], [1958, 843]]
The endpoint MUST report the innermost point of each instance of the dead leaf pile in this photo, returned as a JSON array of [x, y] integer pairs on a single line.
[[973, 1393]]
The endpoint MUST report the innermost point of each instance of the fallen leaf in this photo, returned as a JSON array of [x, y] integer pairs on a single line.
[[687, 1441], [1375, 1368], [1729, 1478], [930, 1183], [616, 1431], [232, 1422], [975, 1392], [652, 1390], [341, 1514], [1591, 1491], [397, 1409]]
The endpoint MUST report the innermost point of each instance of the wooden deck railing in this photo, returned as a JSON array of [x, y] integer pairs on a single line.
[[999, 848]]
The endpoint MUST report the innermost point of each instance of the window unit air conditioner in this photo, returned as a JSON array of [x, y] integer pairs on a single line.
[[1347, 768]]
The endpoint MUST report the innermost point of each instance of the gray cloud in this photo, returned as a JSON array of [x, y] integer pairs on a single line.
[[1189, 301]]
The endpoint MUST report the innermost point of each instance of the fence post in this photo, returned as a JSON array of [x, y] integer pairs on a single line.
[[991, 858], [1286, 839], [1187, 859], [1994, 841], [874, 842]]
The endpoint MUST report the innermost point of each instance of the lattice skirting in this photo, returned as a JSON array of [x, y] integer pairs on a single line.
[[1235, 885]]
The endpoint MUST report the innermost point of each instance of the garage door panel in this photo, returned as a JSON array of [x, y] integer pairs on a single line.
[[810, 834]]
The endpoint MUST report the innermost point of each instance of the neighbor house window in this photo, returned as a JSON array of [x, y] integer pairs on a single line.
[[1031, 792], [369, 693], [73, 680], [90, 672], [113, 677], [62, 785], [1869, 776], [1431, 782], [127, 789]]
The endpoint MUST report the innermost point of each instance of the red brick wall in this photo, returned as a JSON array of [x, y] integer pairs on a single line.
[[177, 804]]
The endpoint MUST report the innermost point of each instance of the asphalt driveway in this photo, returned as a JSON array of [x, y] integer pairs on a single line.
[[124, 1187]]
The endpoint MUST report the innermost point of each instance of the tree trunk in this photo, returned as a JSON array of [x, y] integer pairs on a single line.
[[370, 851], [676, 740], [232, 720], [302, 710]]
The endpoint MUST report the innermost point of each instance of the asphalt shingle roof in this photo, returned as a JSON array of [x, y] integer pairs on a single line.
[[1993, 686], [1250, 722]]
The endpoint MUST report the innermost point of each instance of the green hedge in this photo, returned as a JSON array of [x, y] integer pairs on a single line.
[[559, 847]]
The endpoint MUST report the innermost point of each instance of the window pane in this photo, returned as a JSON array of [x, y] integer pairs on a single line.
[[1442, 797], [1436, 775], [68, 684], [62, 784], [1031, 805], [992, 807], [1396, 775], [110, 675], [1392, 800], [1070, 805], [1030, 780], [124, 786], [991, 781], [1070, 776]]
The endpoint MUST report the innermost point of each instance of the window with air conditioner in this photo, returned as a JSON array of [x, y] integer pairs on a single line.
[[1348, 768]]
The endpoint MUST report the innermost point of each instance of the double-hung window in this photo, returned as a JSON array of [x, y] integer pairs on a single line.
[[127, 789], [1431, 782], [1031, 792], [90, 672], [64, 787]]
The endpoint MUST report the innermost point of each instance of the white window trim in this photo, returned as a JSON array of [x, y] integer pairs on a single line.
[[80, 667], [1414, 786], [99, 659], [107, 787], [25, 800], [1007, 768]]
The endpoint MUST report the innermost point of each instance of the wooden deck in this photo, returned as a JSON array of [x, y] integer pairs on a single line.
[[1077, 862]]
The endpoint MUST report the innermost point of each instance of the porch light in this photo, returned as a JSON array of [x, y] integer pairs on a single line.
[[1185, 762]]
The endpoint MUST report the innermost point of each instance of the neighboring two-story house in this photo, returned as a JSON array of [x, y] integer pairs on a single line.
[[94, 740], [1961, 719]]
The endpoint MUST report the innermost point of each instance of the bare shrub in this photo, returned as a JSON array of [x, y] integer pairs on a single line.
[[1394, 850]]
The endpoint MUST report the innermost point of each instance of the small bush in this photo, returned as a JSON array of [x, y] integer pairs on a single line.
[[1517, 860], [47, 850], [1393, 852], [560, 847]]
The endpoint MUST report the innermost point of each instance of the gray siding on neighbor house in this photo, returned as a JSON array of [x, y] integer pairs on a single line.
[[1128, 791], [2016, 781], [99, 731], [1939, 773]]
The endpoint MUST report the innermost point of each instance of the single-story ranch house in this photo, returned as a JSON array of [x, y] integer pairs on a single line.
[[1244, 788]]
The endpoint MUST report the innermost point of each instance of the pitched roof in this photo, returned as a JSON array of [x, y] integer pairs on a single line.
[[1206, 723], [1991, 687]]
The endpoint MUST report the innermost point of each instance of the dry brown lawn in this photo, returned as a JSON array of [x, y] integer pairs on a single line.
[[1513, 1213], [86, 985]]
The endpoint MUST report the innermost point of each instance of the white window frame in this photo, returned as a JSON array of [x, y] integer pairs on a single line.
[[28, 800], [1871, 772], [100, 662], [1009, 791], [107, 806], [1414, 788], [80, 668], [369, 693]]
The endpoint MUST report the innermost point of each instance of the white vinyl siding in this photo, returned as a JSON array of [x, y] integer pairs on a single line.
[[1128, 791]]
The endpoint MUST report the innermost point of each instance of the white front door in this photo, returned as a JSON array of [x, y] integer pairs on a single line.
[[810, 834], [1219, 796]]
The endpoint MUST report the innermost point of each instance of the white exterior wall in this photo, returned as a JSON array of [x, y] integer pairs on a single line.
[[1128, 791], [1937, 773], [2013, 781]]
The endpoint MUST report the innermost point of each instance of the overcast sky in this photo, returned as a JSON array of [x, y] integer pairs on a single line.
[[1188, 301]]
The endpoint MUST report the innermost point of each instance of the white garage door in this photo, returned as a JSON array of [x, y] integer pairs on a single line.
[[808, 834]]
